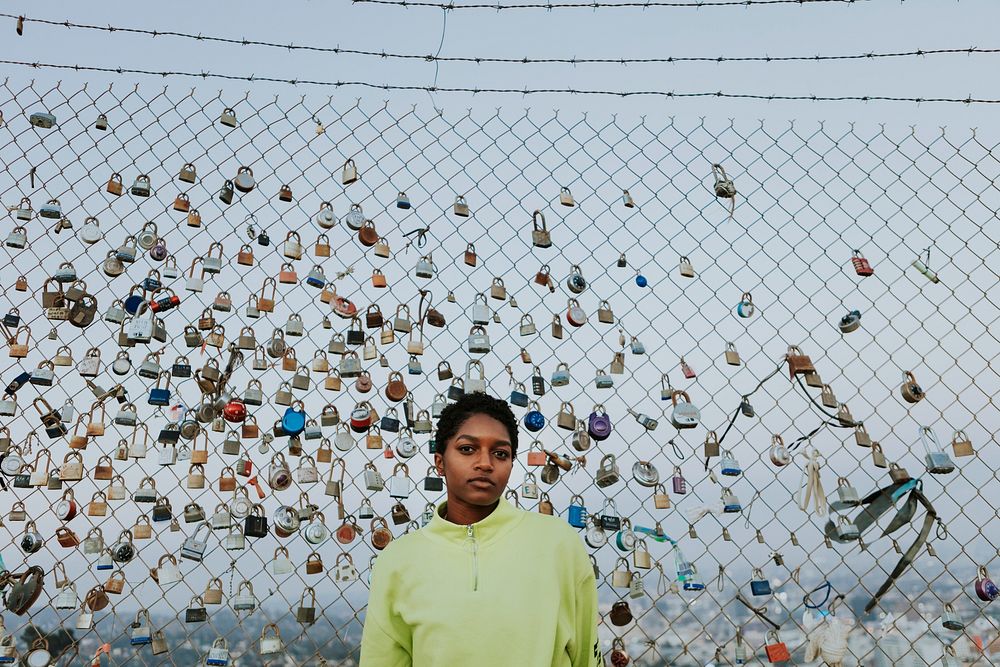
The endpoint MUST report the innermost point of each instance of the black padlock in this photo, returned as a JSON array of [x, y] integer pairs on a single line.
[[432, 482], [180, 370], [162, 512], [537, 384], [195, 615], [263, 239], [169, 434], [12, 319], [226, 193], [611, 522], [389, 424], [255, 525], [18, 382]]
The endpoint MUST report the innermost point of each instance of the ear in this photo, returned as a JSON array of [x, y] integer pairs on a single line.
[[439, 463]]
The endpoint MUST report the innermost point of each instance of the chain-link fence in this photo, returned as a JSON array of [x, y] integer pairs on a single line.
[[686, 282]]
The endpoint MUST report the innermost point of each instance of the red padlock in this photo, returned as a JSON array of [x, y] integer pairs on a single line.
[[165, 303], [776, 650], [244, 468], [361, 418], [686, 369], [235, 411], [861, 265]]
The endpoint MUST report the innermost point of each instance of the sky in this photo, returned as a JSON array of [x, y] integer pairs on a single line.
[[776, 30]]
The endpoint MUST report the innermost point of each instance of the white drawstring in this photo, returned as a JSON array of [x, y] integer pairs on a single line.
[[812, 486]]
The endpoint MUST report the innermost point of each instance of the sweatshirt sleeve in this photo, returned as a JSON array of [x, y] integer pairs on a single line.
[[585, 650], [384, 643]]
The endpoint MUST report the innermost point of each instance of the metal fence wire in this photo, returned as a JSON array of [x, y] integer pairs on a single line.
[[683, 259]]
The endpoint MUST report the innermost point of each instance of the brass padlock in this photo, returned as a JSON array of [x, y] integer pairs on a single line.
[[732, 356], [898, 474], [961, 444], [911, 391]]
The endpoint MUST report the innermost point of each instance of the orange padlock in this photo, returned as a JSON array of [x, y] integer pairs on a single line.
[[536, 455], [776, 649]]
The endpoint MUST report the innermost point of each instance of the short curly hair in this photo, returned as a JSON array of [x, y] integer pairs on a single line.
[[455, 414]]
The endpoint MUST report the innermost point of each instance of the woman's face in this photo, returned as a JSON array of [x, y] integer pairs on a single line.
[[477, 462]]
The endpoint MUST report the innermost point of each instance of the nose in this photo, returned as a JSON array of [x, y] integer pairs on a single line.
[[484, 462]]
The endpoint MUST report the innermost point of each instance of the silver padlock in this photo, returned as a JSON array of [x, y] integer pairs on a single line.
[[529, 488], [607, 472], [479, 341], [399, 485], [373, 478], [937, 460], [475, 383]]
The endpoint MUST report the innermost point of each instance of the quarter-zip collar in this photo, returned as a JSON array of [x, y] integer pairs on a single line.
[[500, 521]]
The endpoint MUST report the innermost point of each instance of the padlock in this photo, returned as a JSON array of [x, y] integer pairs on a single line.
[[141, 186], [566, 418], [861, 265], [575, 315], [218, 654], [607, 472], [684, 414], [686, 268], [478, 341], [678, 482], [539, 234], [961, 445], [425, 267], [621, 576], [937, 460], [846, 530], [661, 500], [911, 391], [850, 322], [776, 649], [898, 474], [728, 465], [244, 601], [847, 495], [986, 589], [399, 485], [745, 307], [561, 375], [759, 585], [730, 502]]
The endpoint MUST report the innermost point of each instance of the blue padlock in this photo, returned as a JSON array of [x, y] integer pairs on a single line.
[[160, 395], [294, 419], [577, 512], [534, 420], [132, 302], [745, 307], [730, 503], [151, 284], [730, 467], [518, 397], [640, 280], [402, 201], [759, 585]]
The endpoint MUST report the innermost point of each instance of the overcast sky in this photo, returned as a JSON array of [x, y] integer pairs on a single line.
[[779, 30]]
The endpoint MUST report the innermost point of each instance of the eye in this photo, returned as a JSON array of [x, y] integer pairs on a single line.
[[503, 454], [466, 449]]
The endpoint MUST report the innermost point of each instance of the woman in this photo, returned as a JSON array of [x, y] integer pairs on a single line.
[[484, 583]]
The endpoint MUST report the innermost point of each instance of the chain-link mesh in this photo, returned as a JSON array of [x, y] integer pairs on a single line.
[[806, 197]]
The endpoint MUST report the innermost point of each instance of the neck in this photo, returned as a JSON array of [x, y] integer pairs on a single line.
[[461, 512]]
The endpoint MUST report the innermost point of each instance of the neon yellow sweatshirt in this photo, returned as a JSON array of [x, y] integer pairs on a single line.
[[516, 589]]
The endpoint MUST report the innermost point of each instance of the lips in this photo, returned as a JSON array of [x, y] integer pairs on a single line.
[[481, 480]]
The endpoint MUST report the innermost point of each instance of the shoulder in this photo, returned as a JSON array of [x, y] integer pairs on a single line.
[[553, 531], [401, 552]]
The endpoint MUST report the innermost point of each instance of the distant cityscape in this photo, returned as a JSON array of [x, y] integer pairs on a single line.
[[915, 638]]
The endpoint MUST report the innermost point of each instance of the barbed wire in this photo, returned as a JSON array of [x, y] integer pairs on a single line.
[[616, 5], [517, 91], [871, 55]]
